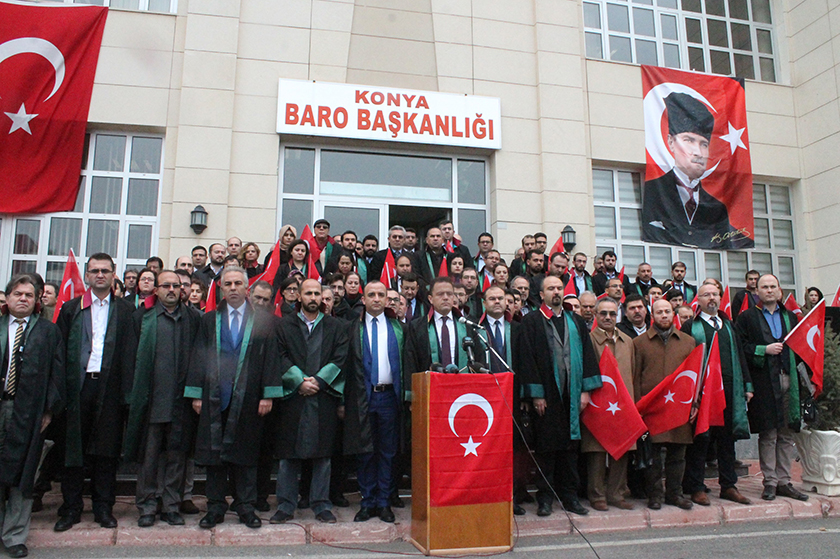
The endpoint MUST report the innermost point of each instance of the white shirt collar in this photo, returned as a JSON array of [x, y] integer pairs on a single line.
[[12, 319], [438, 316], [683, 178]]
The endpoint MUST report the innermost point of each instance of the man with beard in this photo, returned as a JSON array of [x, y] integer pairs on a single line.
[[313, 351], [211, 272], [160, 422], [559, 368], [582, 279], [517, 265], [601, 279], [370, 244], [232, 382]]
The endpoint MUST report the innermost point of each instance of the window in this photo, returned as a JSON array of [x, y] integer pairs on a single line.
[[165, 6], [116, 211], [617, 226], [726, 37]]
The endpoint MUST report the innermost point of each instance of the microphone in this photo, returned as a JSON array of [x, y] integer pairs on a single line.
[[451, 369], [465, 320], [436, 367]]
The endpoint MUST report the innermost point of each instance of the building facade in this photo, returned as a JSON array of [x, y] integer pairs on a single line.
[[185, 112]]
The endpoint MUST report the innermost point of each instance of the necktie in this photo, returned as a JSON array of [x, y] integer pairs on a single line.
[[374, 351], [445, 350], [234, 326], [409, 311], [715, 323], [11, 380], [498, 339], [690, 207]]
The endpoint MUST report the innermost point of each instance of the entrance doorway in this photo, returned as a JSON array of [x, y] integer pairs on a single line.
[[419, 218]]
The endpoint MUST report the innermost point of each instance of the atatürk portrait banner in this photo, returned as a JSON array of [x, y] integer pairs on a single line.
[[698, 180]]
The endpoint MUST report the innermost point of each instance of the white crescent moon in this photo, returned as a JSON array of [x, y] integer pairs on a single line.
[[470, 400], [42, 47], [69, 283], [608, 380], [654, 106], [812, 333], [690, 374]]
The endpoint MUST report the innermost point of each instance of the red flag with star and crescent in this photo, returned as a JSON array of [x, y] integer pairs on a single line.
[[72, 284], [611, 416], [807, 340], [48, 57], [721, 179], [668, 406], [713, 400], [470, 439]]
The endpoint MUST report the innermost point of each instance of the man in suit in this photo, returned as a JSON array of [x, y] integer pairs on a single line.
[[579, 275], [636, 321], [211, 272], [601, 279], [376, 359], [774, 411], [517, 265], [485, 245], [750, 293], [415, 306], [396, 239], [32, 388], [432, 256], [678, 282], [98, 336], [676, 210], [451, 243], [644, 279]]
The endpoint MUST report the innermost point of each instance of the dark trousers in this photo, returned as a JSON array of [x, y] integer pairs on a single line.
[[673, 468], [376, 468], [103, 469], [161, 472], [697, 453], [561, 468], [243, 479], [338, 469]]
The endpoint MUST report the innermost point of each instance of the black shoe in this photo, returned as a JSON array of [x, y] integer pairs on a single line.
[[518, 510], [146, 520], [326, 516], [575, 507], [262, 505], [791, 492], [396, 502], [364, 514], [65, 523], [769, 493], [37, 503], [250, 519], [680, 502], [105, 519], [281, 517], [544, 509], [654, 503], [17, 551], [386, 514], [210, 520], [339, 500], [303, 503], [188, 507], [172, 518]]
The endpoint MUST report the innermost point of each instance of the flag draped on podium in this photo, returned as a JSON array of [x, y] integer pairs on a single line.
[[470, 439]]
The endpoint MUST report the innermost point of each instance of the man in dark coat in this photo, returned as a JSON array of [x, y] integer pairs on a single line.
[[636, 319], [774, 411], [451, 243], [374, 397], [738, 391], [232, 382], [559, 368], [579, 275], [32, 388], [644, 280], [678, 270], [98, 337], [601, 279], [432, 255], [676, 210], [750, 294], [396, 238], [313, 350], [160, 424]]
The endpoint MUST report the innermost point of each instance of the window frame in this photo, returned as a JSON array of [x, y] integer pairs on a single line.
[[143, 5]]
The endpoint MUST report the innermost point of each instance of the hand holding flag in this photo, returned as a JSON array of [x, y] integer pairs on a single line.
[[669, 404], [807, 340]]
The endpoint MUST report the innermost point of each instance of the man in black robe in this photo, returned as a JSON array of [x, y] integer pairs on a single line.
[[432, 255], [32, 387], [313, 351], [559, 369], [160, 421], [232, 382], [98, 336]]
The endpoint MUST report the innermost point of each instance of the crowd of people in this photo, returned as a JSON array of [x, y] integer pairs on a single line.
[[245, 367]]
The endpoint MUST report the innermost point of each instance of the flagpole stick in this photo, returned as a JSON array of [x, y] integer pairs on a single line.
[[698, 390], [494, 352]]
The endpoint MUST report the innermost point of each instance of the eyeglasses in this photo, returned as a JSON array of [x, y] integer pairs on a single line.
[[97, 271], [170, 285], [607, 313]]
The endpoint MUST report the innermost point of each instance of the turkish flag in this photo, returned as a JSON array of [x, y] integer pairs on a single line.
[[669, 404], [611, 416], [557, 246], [470, 439], [270, 270], [745, 305], [443, 271], [793, 306], [726, 304], [569, 289], [713, 400], [697, 100], [278, 304], [307, 236], [486, 283], [48, 57], [836, 301], [389, 269], [677, 321], [211, 297], [807, 340], [695, 303], [71, 284]]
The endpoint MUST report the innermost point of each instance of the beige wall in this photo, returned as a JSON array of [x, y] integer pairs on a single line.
[[208, 79]]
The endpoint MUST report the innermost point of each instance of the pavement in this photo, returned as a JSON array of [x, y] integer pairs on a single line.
[[305, 529]]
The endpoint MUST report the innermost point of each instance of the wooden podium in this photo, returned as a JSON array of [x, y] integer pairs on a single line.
[[449, 530]]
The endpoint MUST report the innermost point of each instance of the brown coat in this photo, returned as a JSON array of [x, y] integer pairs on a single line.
[[625, 354], [654, 362]]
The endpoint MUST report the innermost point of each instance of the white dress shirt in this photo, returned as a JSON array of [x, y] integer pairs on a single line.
[[99, 322], [450, 325], [385, 376], [708, 318], [240, 311], [13, 328], [580, 282]]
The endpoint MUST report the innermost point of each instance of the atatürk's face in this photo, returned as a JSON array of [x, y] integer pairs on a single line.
[[691, 153]]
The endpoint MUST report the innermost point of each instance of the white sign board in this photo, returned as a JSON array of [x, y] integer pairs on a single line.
[[388, 114]]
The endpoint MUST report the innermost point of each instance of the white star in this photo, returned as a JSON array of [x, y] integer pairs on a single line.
[[470, 447], [669, 397], [734, 138], [21, 120], [613, 407]]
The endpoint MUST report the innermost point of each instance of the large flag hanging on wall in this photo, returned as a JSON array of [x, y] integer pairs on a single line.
[[698, 180], [48, 57]]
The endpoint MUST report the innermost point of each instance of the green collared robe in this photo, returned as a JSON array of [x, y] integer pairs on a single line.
[[309, 424]]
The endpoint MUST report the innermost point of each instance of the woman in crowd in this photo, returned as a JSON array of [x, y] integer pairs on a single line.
[[198, 294], [250, 260], [501, 276], [353, 290], [286, 236], [812, 296], [145, 285], [290, 293], [345, 264], [456, 266], [298, 257]]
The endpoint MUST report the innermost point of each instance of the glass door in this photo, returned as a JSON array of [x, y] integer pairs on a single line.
[[363, 219]]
